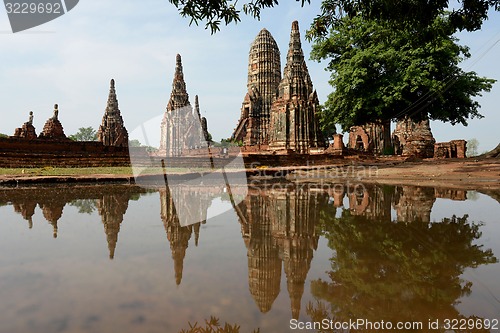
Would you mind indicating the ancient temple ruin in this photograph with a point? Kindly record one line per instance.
(294, 125)
(412, 138)
(53, 129)
(371, 138)
(264, 76)
(112, 132)
(27, 130)
(181, 128)
(278, 114)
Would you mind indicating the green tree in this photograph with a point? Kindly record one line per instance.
(382, 270)
(3, 135)
(472, 147)
(228, 11)
(382, 72)
(84, 134)
(134, 143)
(85, 206)
(469, 15)
(326, 123)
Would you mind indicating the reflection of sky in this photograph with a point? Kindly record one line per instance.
(486, 287)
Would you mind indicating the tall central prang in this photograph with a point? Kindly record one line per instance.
(264, 76)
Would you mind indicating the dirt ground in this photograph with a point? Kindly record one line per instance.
(463, 173)
(452, 173)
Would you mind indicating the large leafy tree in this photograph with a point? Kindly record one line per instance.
(384, 72)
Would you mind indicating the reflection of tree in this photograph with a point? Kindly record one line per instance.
(397, 271)
(85, 206)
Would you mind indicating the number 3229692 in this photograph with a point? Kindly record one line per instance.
(33, 8)
(464, 324)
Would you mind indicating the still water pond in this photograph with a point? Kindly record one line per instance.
(117, 259)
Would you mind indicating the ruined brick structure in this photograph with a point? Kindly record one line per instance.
(294, 125)
(264, 76)
(112, 132)
(27, 131)
(452, 149)
(413, 139)
(337, 146)
(279, 114)
(371, 138)
(181, 128)
(53, 129)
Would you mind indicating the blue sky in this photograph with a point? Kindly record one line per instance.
(71, 60)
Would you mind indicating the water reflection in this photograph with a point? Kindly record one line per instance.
(111, 202)
(388, 260)
(404, 271)
(414, 263)
(279, 229)
(196, 204)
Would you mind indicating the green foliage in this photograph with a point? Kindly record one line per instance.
(396, 271)
(326, 122)
(84, 134)
(472, 147)
(227, 11)
(3, 135)
(402, 13)
(227, 143)
(134, 143)
(381, 72)
(213, 326)
(469, 16)
(85, 206)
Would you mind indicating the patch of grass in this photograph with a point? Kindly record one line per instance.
(50, 171)
(57, 171)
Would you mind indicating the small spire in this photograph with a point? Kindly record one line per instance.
(56, 112)
(112, 83)
(178, 64)
(197, 106)
(295, 25)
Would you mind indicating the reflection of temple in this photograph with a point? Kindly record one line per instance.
(369, 201)
(178, 235)
(112, 208)
(278, 228)
(413, 204)
(111, 202)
